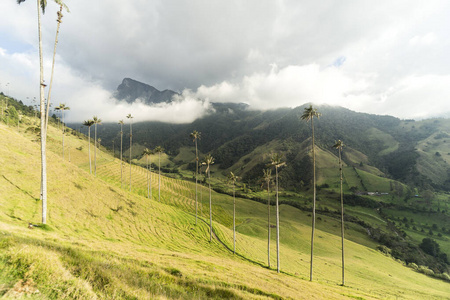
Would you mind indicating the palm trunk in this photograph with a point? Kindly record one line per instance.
(159, 178)
(268, 225)
(89, 141)
(234, 221)
(43, 135)
(196, 173)
(148, 185)
(210, 206)
(53, 69)
(62, 133)
(95, 149)
(131, 143)
(314, 203)
(278, 224)
(121, 160)
(150, 163)
(342, 218)
(201, 196)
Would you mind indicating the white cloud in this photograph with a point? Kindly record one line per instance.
(425, 40)
(356, 54)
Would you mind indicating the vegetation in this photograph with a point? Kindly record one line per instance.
(195, 135)
(339, 145)
(308, 115)
(149, 249)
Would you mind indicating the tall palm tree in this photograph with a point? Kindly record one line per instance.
(121, 159)
(308, 115)
(159, 150)
(267, 177)
(277, 163)
(147, 153)
(131, 141)
(41, 5)
(209, 160)
(339, 145)
(97, 121)
(89, 123)
(62, 107)
(59, 21)
(233, 178)
(201, 190)
(195, 136)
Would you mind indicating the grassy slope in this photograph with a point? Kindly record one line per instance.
(105, 242)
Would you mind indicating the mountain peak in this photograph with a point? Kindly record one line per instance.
(131, 90)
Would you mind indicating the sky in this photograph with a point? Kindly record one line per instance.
(380, 57)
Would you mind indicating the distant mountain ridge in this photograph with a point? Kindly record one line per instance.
(131, 90)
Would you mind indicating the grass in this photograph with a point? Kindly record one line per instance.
(105, 242)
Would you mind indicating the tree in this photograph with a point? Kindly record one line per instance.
(430, 247)
(209, 160)
(121, 159)
(62, 107)
(339, 145)
(147, 153)
(233, 178)
(201, 190)
(59, 21)
(308, 115)
(89, 123)
(41, 4)
(195, 135)
(159, 150)
(131, 141)
(267, 177)
(96, 122)
(277, 163)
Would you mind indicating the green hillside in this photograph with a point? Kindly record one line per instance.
(103, 241)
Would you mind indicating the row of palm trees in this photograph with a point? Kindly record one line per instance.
(276, 162)
(308, 115)
(44, 109)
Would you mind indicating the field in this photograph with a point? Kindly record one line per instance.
(103, 241)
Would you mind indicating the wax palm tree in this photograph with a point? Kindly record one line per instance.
(195, 136)
(41, 4)
(89, 123)
(339, 145)
(121, 159)
(267, 177)
(201, 190)
(209, 160)
(97, 121)
(131, 141)
(159, 150)
(308, 115)
(59, 21)
(62, 107)
(277, 163)
(147, 153)
(233, 178)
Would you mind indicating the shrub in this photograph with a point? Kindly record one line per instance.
(413, 266)
(425, 270)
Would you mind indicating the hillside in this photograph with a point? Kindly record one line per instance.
(413, 152)
(103, 241)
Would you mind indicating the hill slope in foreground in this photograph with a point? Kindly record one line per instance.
(103, 241)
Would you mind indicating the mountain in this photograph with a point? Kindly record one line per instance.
(413, 152)
(131, 90)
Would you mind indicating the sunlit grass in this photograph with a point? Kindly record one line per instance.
(103, 241)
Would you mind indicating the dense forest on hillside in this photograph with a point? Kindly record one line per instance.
(233, 131)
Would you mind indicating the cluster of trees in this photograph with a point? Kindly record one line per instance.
(45, 106)
(276, 163)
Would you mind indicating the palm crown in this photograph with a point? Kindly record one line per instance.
(310, 113)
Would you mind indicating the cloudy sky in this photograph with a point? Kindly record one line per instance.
(382, 57)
